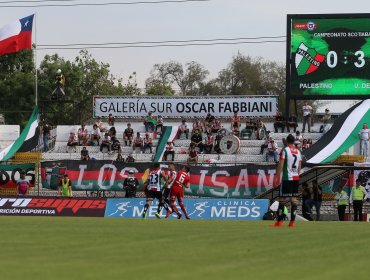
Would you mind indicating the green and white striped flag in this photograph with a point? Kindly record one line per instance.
(28, 139)
(169, 135)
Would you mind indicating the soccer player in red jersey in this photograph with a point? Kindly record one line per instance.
(177, 191)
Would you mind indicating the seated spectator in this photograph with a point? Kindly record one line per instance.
(217, 144)
(292, 122)
(112, 133)
(95, 135)
(298, 140)
(83, 135)
(184, 129)
(138, 142)
(148, 143)
(120, 157)
(304, 145)
(261, 130)
(193, 155)
(99, 124)
(150, 122)
(250, 128)
(130, 158)
(84, 154)
(116, 145)
(110, 120)
(325, 121)
(267, 141)
(208, 143)
(196, 141)
(216, 125)
(169, 151)
(208, 122)
(72, 140)
(106, 142)
(309, 143)
(128, 134)
(272, 151)
(159, 125)
(279, 122)
(197, 125)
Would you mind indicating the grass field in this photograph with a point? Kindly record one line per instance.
(88, 248)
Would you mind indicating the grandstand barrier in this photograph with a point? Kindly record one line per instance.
(219, 209)
(235, 181)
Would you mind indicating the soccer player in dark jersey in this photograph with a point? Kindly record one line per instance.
(153, 187)
(170, 178)
(177, 191)
(288, 170)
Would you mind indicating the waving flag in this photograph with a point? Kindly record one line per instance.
(16, 36)
(28, 139)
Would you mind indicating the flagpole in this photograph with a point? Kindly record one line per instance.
(35, 58)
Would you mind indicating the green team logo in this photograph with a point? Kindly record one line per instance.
(307, 60)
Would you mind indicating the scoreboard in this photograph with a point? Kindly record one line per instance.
(328, 56)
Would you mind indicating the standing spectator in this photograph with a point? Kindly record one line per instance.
(128, 134)
(342, 199)
(84, 154)
(196, 141)
(130, 184)
(96, 134)
(357, 197)
(208, 121)
(120, 157)
(159, 125)
(99, 124)
(83, 135)
(317, 198)
(65, 187)
(292, 122)
(193, 155)
(138, 142)
(130, 158)
(306, 196)
(364, 136)
(197, 125)
(148, 143)
(46, 136)
(72, 140)
(184, 129)
(169, 151)
(110, 120)
(260, 130)
(272, 151)
(267, 141)
(307, 110)
(218, 138)
(23, 185)
(106, 142)
(235, 122)
(279, 122)
(298, 140)
(325, 121)
(150, 122)
(208, 143)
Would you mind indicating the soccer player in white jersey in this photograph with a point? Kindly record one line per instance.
(153, 187)
(288, 170)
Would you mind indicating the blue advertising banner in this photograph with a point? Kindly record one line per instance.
(221, 209)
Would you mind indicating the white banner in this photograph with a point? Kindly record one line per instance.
(176, 107)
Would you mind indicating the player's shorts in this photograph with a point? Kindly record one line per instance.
(289, 188)
(177, 192)
(150, 195)
(166, 192)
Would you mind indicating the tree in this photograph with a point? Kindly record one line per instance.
(157, 88)
(189, 80)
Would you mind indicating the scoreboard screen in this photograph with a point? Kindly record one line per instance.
(328, 56)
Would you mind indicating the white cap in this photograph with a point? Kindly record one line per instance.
(59, 71)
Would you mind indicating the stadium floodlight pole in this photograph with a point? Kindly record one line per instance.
(35, 58)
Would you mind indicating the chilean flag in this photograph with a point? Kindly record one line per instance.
(16, 36)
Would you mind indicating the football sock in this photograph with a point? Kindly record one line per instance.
(280, 212)
(184, 210)
(293, 212)
(146, 206)
(160, 206)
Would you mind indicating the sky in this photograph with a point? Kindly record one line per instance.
(168, 21)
